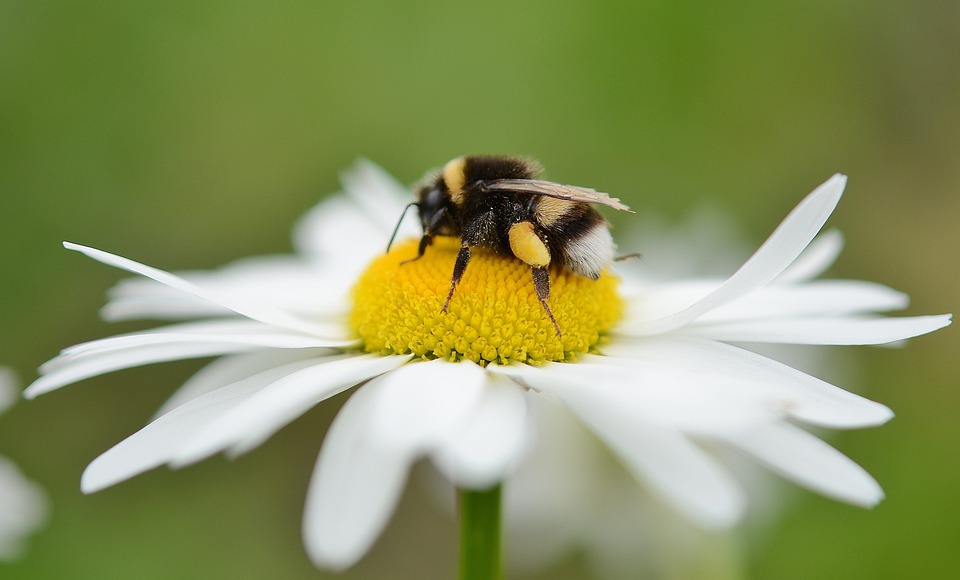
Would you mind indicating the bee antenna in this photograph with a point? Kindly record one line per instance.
(400, 221)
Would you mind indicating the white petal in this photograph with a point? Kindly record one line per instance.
(686, 398)
(835, 331)
(422, 403)
(252, 422)
(772, 258)
(380, 196)
(223, 331)
(174, 306)
(256, 312)
(808, 461)
(676, 469)
(73, 371)
(156, 443)
(539, 494)
(655, 452)
(382, 429)
(822, 252)
(819, 298)
(491, 442)
(284, 282)
(652, 301)
(778, 387)
(365, 216)
(337, 231)
(230, 369)
(355, 485)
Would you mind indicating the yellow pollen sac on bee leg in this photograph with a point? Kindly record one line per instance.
(494, 317)
(527, 245)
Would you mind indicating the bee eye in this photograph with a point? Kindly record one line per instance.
(434, 199)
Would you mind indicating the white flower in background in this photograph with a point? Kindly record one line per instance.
(661, 390)
(23, 506)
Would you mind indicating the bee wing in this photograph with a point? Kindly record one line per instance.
(550, 189)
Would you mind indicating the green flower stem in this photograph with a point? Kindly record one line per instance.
(480, 534)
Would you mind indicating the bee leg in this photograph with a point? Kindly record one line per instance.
(459, 267)
(541, 283)
(427, 238)
(425, 241)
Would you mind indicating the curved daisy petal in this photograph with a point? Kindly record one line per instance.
(189, 340)
(320, 233)
(157, 443)
(491, 443)
(253, 421)
(822, 252)
(256, 312)
(354, 489)
(658, 300)
(834, 331)
(684, 398)
(136, 303)
(772, 258)
(366, 214)
(85, 368)
(663, 457)
(808, 461)
(375, 438)
(232, 368)
(655, 452)
(223, 331)
(293, 285)
(417, 407)
(379, 195)
(783, 388)
(820, 298)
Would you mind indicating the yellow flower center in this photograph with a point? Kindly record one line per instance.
(494, 315)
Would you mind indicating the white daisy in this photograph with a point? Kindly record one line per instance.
(662, 384)
(23, 506)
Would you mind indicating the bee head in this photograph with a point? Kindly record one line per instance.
(436, 209)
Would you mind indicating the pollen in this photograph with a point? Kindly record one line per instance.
(494, 316)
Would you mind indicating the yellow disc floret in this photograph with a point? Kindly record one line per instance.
(494, 315)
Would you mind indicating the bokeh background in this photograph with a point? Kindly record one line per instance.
(188, 134)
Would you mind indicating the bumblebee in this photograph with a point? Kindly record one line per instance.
(497, 203)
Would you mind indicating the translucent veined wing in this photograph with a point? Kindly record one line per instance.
(550, 189)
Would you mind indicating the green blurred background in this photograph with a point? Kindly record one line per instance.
(187, 135)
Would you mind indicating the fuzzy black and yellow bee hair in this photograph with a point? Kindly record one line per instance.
(497, 203)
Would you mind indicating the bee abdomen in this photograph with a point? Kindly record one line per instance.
(581, 239)
(590, 253)
(551, 212)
